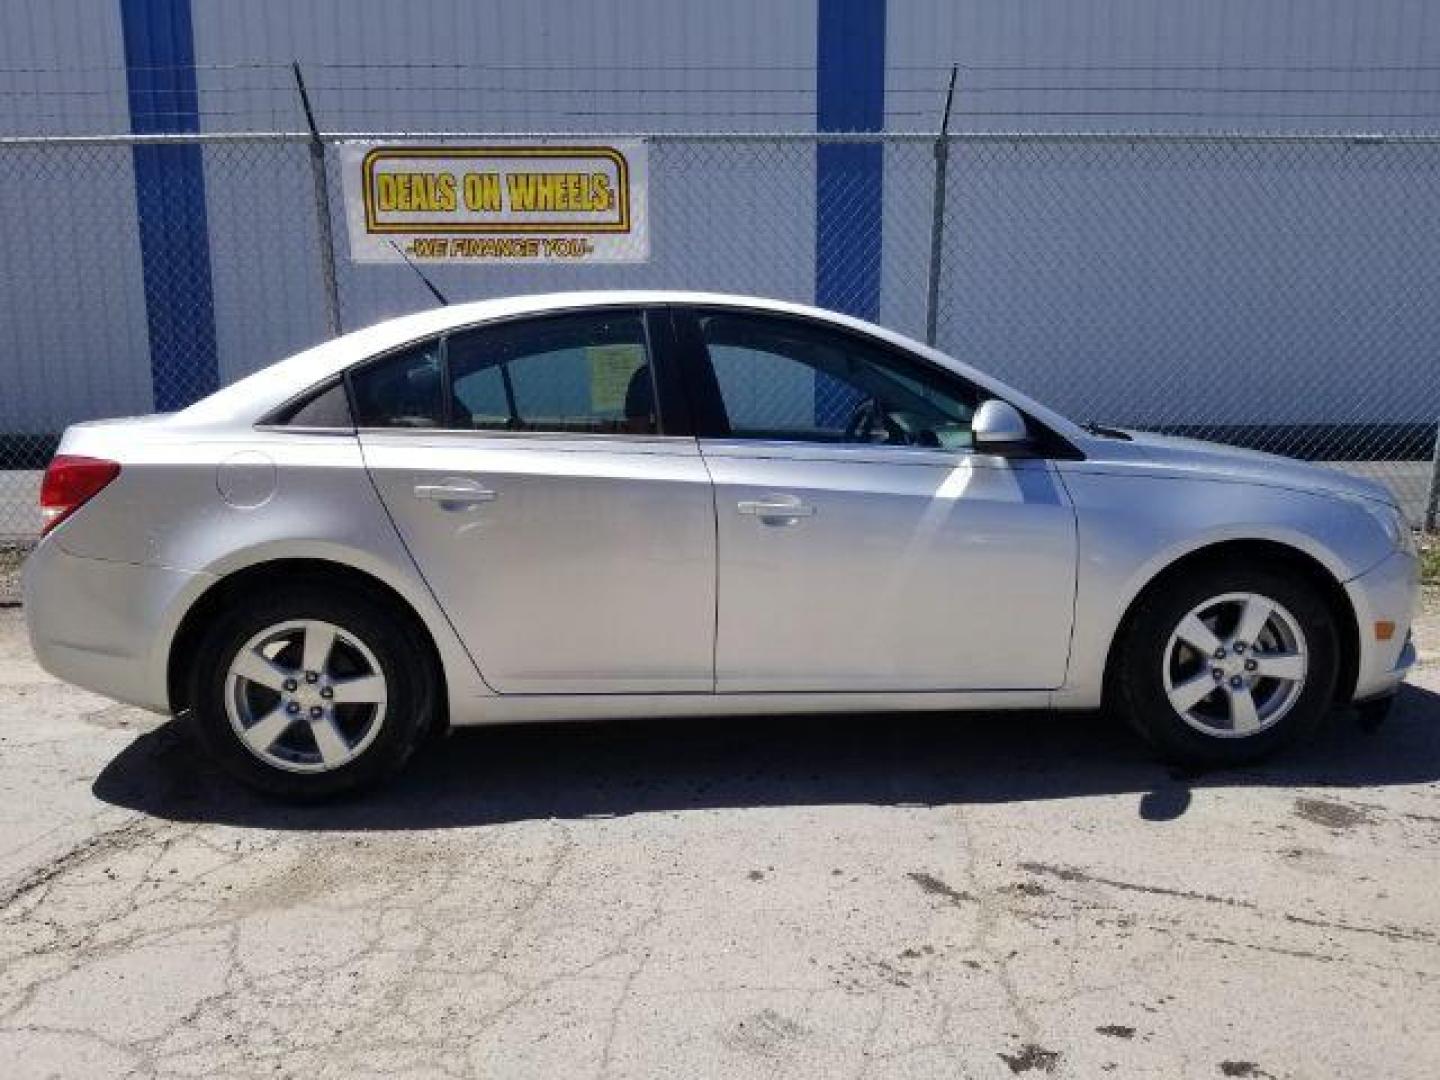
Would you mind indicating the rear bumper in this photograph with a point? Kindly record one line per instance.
(1387, 593)
(105, 626)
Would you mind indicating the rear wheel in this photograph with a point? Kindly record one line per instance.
(1225, 665)
(310, 691)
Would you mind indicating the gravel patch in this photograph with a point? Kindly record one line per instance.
(10, 562)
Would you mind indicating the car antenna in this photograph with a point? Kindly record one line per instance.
(420, 274)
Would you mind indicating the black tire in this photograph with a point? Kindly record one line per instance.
(1138, 691)
(410, 678)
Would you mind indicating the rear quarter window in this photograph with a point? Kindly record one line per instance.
(327, 407)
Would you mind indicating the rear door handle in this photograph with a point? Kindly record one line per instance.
(780, 510)
(459, 493)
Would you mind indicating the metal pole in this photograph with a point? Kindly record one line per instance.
(937, 218)
(322, 210)
(1432, 501)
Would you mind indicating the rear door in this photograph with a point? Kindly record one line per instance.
(541, 474)
(863, 546)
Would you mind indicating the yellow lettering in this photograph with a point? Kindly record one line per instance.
(385, 191)
(522, 191)
(601, 185)
(416, 192)
(487, 192)
(482, 191)
(549, 192)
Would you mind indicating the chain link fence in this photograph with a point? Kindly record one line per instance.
(1275, 292)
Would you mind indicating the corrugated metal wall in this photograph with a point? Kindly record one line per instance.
(1174, 65)
(655, 65)
(1259, 282)
(79, 309)
(605, 65)
(73, 314)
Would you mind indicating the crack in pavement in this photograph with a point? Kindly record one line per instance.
(93, 847)
(1074, 875)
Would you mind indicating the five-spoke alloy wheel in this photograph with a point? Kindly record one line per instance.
(306, 696)
(311, 690)
(1235, 665)
(1223, 665)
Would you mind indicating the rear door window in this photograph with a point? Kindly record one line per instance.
(586, 373)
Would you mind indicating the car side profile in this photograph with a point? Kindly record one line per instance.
(612, 504)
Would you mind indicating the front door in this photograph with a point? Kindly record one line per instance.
(862, 545)
(570, 541)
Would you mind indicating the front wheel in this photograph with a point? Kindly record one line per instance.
(311, 691)
(1222, 666)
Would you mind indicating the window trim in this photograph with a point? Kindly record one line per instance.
(693, 359)
(671, 410)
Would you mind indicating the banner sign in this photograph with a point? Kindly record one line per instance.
(498, 203)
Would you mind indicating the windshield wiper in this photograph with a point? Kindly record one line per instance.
(1105, 432)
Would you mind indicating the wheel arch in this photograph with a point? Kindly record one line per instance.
(276, 573)
(1271, 553)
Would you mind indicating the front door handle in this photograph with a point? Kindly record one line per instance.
(458, 493)
(776, 510)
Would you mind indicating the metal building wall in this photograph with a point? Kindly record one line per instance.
(80, 308)
(1190, 273)
(1172, 65)
(72, 309)
(451, 65)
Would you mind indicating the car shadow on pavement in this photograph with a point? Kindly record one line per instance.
(485, 776)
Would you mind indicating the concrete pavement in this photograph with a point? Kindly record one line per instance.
(879, 897)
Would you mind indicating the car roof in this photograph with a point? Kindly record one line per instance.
(252, 397)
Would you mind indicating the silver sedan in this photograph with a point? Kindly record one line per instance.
(645, 503)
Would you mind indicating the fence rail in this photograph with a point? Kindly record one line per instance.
(1277, 291)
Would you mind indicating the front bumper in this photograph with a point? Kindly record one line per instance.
(1388, 593)
(106, 626)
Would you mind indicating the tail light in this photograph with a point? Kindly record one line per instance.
(70, 482)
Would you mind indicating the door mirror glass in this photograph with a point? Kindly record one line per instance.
(998, 427)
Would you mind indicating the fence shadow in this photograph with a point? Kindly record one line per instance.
(495, 775)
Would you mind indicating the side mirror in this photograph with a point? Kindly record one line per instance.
(998, 428)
